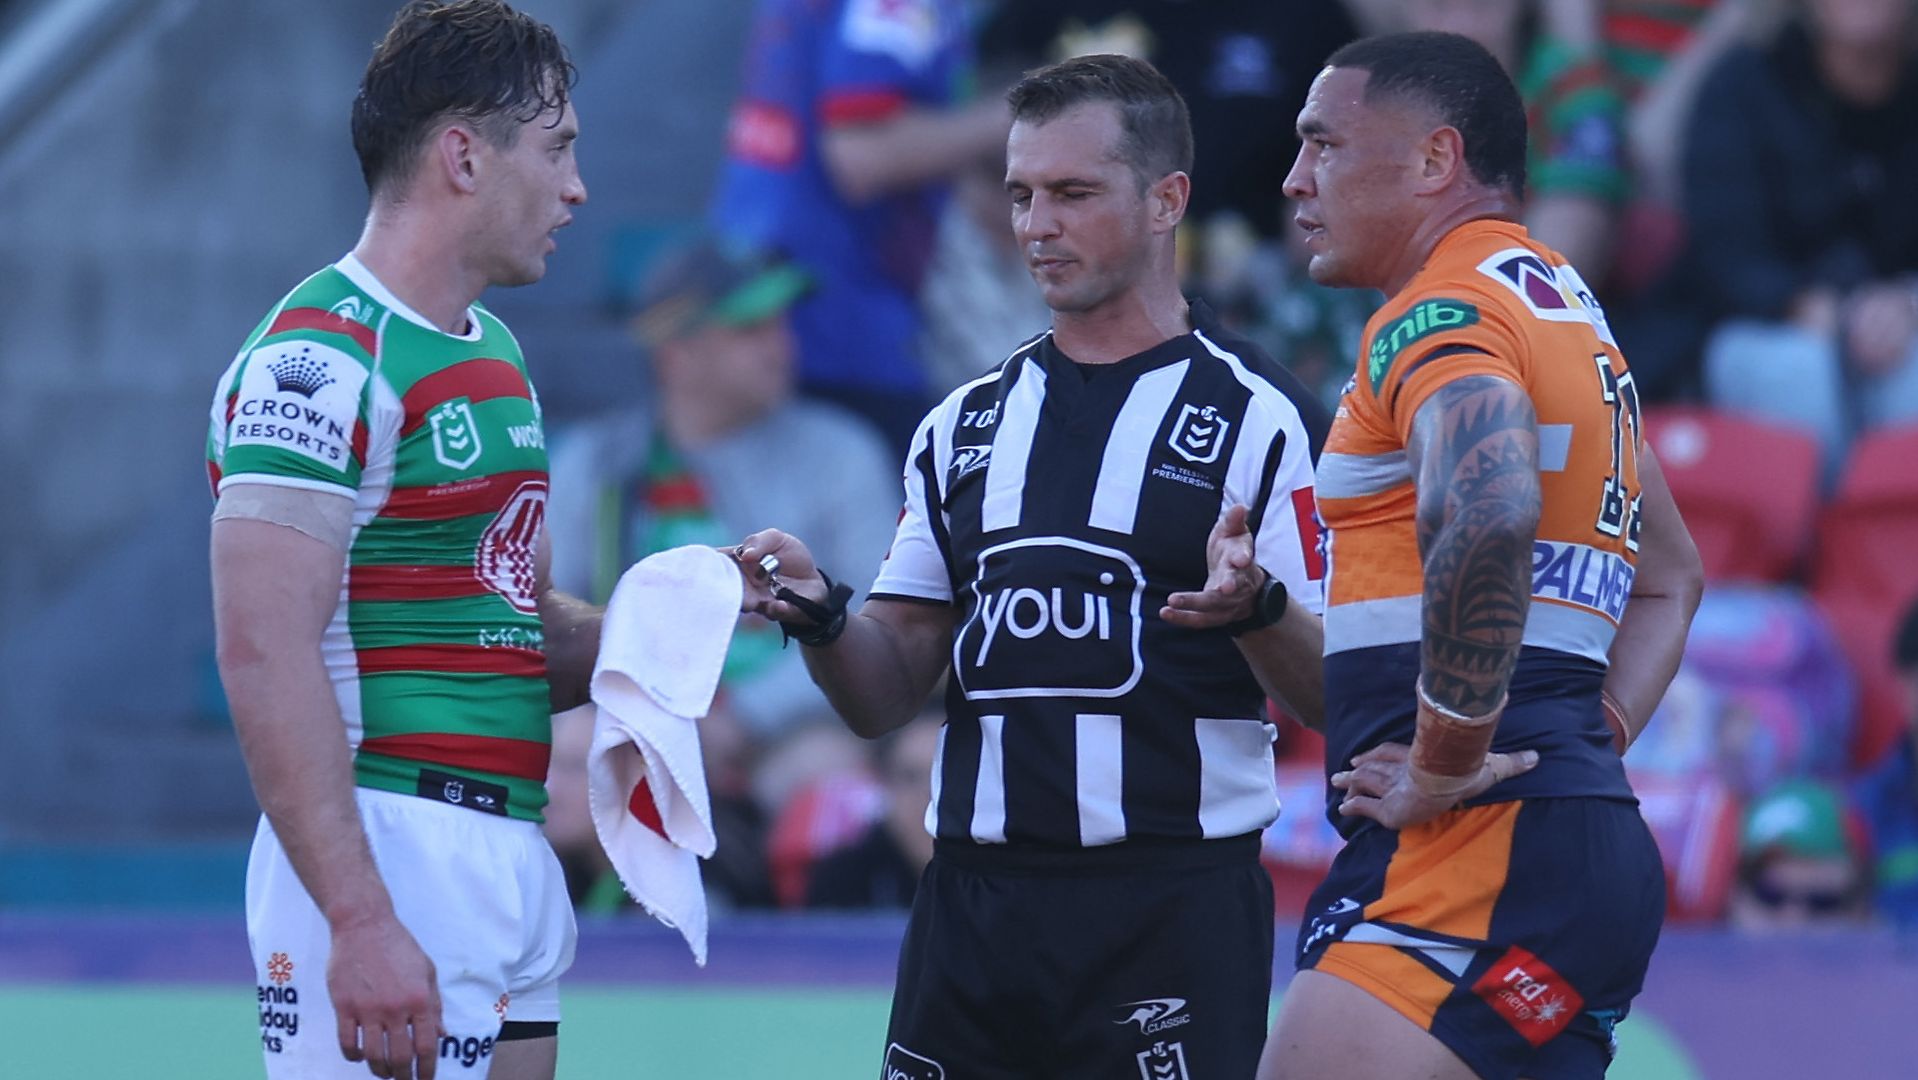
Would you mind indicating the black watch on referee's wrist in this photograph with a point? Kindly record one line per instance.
(1268, 607)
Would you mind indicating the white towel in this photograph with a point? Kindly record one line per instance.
(661, 648)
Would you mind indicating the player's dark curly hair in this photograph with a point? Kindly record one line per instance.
(1455, 77)
(1157, 129)
(474, 60)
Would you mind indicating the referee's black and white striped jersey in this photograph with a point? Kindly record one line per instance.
(1056, 506)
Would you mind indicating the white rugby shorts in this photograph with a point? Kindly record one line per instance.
(484, 896)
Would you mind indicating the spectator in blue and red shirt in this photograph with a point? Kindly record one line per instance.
(854, 115)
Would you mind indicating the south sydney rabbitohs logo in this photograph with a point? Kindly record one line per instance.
(504, 558)
(1199, 434)
(1154, 1015)
(456, 438)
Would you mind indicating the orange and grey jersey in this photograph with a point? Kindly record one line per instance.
(1489, 301)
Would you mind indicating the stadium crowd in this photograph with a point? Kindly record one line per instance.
(1733, 176)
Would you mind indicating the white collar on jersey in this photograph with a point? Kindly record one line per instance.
(359, 275)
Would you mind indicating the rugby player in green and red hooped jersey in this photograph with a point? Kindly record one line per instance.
(388, 639)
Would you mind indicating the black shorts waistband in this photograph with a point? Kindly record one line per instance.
(1128, 856)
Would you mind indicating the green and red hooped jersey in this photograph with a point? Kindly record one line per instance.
(435, 651)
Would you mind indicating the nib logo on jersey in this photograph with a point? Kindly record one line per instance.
(299, 396)
(1052, 617)
(279, 1004)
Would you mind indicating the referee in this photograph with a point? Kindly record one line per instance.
(1110, 543)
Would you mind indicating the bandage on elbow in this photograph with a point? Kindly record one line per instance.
(1449, 747)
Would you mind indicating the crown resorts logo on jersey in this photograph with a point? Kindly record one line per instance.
(1426, 318)
(301, 397)
(1052, 616)
(456, 439)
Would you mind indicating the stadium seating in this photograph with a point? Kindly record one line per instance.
(1748, 490)
(820, 818)
(1868, 535)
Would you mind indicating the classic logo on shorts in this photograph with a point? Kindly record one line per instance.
(1052, 617)
(903, 1064)
(456, 439)
(1199, 434)
(1154, 1015)
(504, 559)
(1533, 998)
(1165, 1061)
(279, 1004)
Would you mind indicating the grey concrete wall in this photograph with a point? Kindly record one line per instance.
(149, 216)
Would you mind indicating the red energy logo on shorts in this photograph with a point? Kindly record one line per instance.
(1533, 998)
(279, 969)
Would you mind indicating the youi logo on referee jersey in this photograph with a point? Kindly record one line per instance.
(1052, 616)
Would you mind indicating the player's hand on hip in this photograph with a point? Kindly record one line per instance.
(387, 999)
(791, 565)
(1379, 785)
(1232, 580)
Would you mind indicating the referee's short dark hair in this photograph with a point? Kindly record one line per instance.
(1156, 129)
(1461, 82)
(477, 60)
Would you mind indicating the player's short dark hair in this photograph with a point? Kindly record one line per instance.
(1460, 81)
(476, 60)
(1156, 129)
(1904, 649)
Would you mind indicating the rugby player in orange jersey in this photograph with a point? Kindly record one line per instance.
(1510, 589)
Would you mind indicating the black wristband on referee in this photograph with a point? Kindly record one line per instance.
(829, 618)
(1268, 607)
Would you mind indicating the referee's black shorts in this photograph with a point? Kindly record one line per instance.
(1142, 961)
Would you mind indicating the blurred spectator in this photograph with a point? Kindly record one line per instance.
(1799, 170)
(881, 868)
(838, 150)
(1801, 864)
(723, 447)
(1888, 795)
(978, 301)
(1243, 70)
(1576, 172)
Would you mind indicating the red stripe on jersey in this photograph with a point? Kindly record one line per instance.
(480, 495)
(523, 758)
(1305, 507)
(232, 403)
(455, 659)
(479, 379)
(359, 442)
(414, 583)
(680, 494)
(861, 106)
(312, 318)
(213, 477)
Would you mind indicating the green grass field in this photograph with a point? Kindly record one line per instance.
(201, 1033)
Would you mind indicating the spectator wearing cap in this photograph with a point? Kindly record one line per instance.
(1803, 862)
(1888, 795)
(721, 446)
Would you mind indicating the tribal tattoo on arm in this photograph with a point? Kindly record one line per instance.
(1474, 453)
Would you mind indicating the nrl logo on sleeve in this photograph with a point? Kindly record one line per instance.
(456, 441)
(1425, 319)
